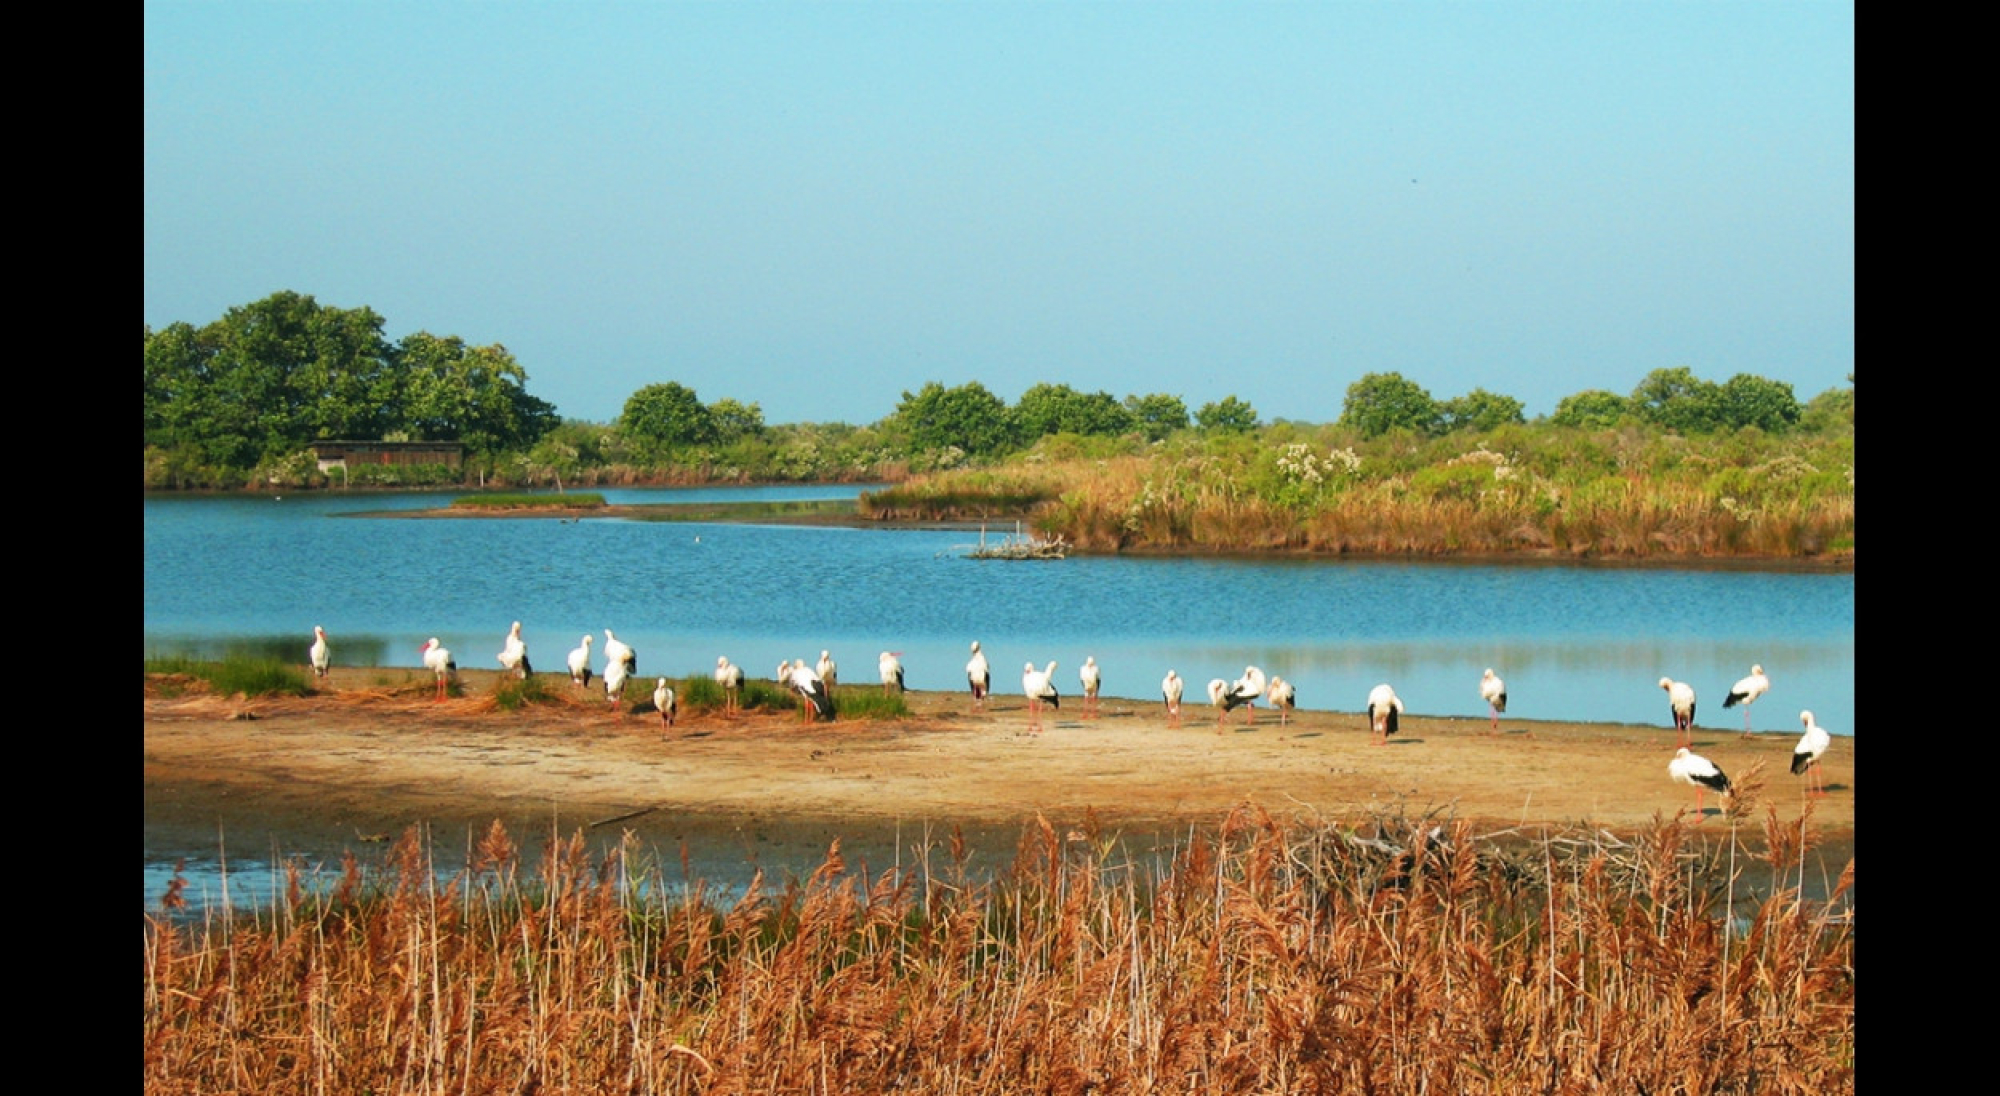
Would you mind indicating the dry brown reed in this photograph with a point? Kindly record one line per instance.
(1395, 955)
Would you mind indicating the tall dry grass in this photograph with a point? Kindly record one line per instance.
(1397, 956)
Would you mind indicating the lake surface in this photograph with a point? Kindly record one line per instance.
(1574, 642)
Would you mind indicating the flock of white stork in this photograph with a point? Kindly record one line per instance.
(814, 685)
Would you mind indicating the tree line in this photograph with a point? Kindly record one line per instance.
(240, 401)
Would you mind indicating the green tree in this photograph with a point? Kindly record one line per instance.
(1747, 400)
(1592, 407)
(968, 416)
(1381, 402)
(735, 420)
(1678, 400)
(1481, 410)
(1832, 409)
(1157, 415)
(1228, 415)
(472, 394)
(1060, 409)
(667, 416)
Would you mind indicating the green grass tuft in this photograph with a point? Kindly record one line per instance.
(247, 675)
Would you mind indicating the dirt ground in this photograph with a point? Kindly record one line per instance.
(371, 755)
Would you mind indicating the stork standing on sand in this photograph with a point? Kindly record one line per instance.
(438, 660)
(319, 654)
(1494, 692)
(979, 676)
(1039, 686)
(730, 677)
(616, 670)
(665, 702)
(1171, 687)
(1384, 709)
(514, 653)
(1092, 679)
(891, 667)
(1805, 756)
(1680, 699)
(579, 664)
(1746, 692)
(1247, 691)
(1282, 697)
(1225, 698)
(1689, 767)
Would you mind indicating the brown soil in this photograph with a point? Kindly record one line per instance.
(372, 754)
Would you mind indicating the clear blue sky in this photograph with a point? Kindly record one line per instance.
(815, 207)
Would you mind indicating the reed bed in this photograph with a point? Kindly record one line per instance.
(1620, 493)
(1392, 955)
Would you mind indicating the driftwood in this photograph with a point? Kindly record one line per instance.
(1018, 546)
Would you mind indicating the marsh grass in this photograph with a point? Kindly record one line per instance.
(173, 676)
(1382, 955)
(1623, 493)
(584, 500)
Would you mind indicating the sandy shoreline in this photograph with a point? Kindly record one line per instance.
(373, 755)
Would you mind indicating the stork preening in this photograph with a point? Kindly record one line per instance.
(814, 698)
(514, 653)
(1246, 692)
(439, 662)
(829, 672)
(616, 671)
(1384, 709)
(319, 654)
(665, 703)
(1805, 756)
(1039, 686)
(1680, 698)
(1171, 687)
(1689, 767)
(1494, 692)
(1225, 698)
(1746, 692)
(730, 677)
(579, 664)
(978, 675)
(615, 650)
(1092, 679)
(1282, 697)
(891, 667)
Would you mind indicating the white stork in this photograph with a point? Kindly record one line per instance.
(579, 664)
(319, 654)
(615, 650)
(439, 662)
(891, 668)
(1092, 679)
(730, 677)
(1805, 756)
(616, 670)
(1689, 767)
(814, 699)
(1171, 687)
(978, 675)
(829, 671)
(514, 653)
(1039, 686)
(1226, 698)
(1746, 692)
(664, 702)
(1248, 690)
(1494, 692)
(1680, 698)
(1282, 697)
(1384, 709)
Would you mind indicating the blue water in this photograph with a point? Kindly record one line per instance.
(1577, 642)
(1574, 642)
